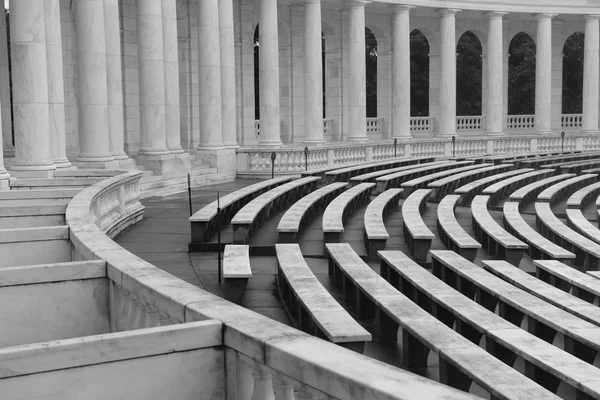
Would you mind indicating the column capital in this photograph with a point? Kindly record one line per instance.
(355, 3)
(543, 16)
(491, 14)
(447, 11)
(588, 17)
(401, 8)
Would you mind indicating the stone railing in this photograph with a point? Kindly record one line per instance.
(470, 123)
(374, 126)
(571, 121)
(470, 147)
(508, 144)
(421, 124)
(264, 359)
(429, 148)
(520, 122)
(328, 129)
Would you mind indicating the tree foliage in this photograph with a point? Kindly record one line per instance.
(521, 75)
(468, 75)
(419, 74)
(371, 72)
(572, 94)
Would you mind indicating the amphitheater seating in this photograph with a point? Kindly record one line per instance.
(528, 193)
(344, 174)
(37, 197)
(376, 234)
(557, 191)
(473, 188)
(296, 216)
(494, 238)
(587, 252)
(451, 233)
(204, 222)
(253, 213)
(569, 279)
(417, 235)
(583, 195)
(539, 246)
(579, 223)
(549, 366)
(421, 182)
(543, 290)
(543, 161)
(341, 207)
(447, 185)
(31, 216)
(39, 245)
(577, 167)
(500, 190)
(461, 362)
(396, 179)
(311, 305)
(236, 271)
(542, 319)
(371, 176)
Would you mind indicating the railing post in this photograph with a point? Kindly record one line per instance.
(395, 148)
(579, 143)
(562, 143)
(306, 158)
(330, 157)
(453, 146)
(369, 153)
(273, 157)
(533, 146)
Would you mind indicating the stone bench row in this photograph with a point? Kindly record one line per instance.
(311, 306)
(552, 368)
(473, 188)
(255, 212)
(570, 280)
(397, 178)
(559, 190)
(451, 233)
(502, 189)
(578, 167)
(417, 235)
(540, 162)
(460, 361)
(447, 185)
(423, 181)
(345, 174)
(584, 196)
(529, 192)
(371, 176)
(376, 234)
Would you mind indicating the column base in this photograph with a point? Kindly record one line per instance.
(5, 182)
(494, 133)
(167, 166)
(319, 142)
(231, 145)
(223, 159)
(121, 155)
(402, 138)
(540, 133)
(149, 152)
(176, 150)
(32, 170)
(9, 152)
(62, 163)
(357, 139)
(112, 164)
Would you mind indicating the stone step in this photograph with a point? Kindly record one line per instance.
(31, 216)
(16, 183)
(158, 186)
(49, 272)
(27, 246)
(37, 196)
(86, 173)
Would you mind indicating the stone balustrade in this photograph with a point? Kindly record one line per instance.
(374, 127)
(328, 129)
(471, 123)
(571, 121)
(421, 124)
(520, 122)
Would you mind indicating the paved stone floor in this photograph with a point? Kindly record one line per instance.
(163, 235)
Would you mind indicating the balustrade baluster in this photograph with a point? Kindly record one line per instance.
(283, 388)
(263, 384)
(244, 381)
(134, 313)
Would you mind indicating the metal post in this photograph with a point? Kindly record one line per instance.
(562, 135)
(306, 158)
(395, 149)
(273, 157)
(453, 146)
(190, 193)
(220, 267)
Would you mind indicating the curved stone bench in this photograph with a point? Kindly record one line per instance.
(461, 362)
(344, 174)
(513, 304)
(236, 271)
(543, 290)
(539, 246)
(451, 233)
(583, 195)
(528, 193)
(548, 366)
(577, 167)
(311, 306)
(570, 280)
(558, 160)
(396, 179)
(447, 185)
(376, 235)
(423, 181)
(296, 216)
(252, 214)
(493, 237)
(204, 222)
(579, 223)
(557, 191)
(499, 190)
(472, 189)
(417, 235)
(587, 252)
(342, 206)
(371, 176)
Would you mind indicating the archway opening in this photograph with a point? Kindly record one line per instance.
(256, 75)
(468, 74)
(419, 74)
(371, 73)
(572, 76)
(521, 75)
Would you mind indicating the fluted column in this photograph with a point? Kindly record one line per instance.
(152, 79)
(313, 73)
(9, 149)
(114, 80)
(92, 92)
(209, 70)
(401, 72)
(171, 60)
(56, 89)
(357, 80)
(543, 74)
(495, 85)
(30, 89)
(228, 93)
(591, 74)
(447, 114)
(269, 74)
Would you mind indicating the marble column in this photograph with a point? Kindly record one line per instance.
(228, 91)
(209, 70)
(171, 60)
(56, 88)
(152, 79)
(114, 80)
(494, 114)
(447, 115)
(401, 72)
(543, 74)
(30, 89)
(313, 73)
(269, 75)
(92, 92)
(591, 74)
(357, 80)
(9, 148)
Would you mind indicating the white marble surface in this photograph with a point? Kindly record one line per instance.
(313, 73)
(591, 74)
(357, 83)
(228, 88)
(494, 119)
(236, 261)
(401, 72)
(543, 74)
(171, 60)
(447, 116)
